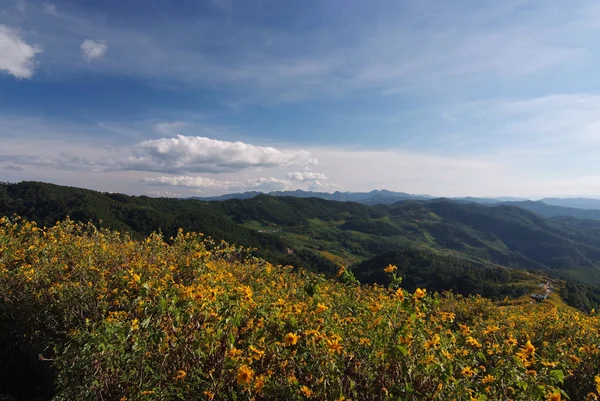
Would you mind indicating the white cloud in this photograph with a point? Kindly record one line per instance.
(204, 183)
(391, 47)
(195, 154)
(93, 49)
(16, 56)
(306, 176)
(169, 128)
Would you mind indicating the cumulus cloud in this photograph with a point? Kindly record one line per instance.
(204, 183)
(195, 154)
(93, 49)
(17, 57)
(306, 176)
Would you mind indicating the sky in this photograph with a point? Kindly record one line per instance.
(200, 98)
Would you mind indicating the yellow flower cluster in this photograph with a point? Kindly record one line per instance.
(195, 318)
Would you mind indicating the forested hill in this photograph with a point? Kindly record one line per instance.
(47, 203)
(321, 235)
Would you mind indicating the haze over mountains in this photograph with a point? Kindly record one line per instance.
(549, 207)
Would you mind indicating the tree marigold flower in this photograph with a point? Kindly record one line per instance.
(306, 391)
(554, 397)
(390, 268)
(259, 384)
(244, 375)
(291, 339)
(334, 346)
(180, 375)
(527, 350)
(420, 293)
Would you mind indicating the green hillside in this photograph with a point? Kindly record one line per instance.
(321, 235)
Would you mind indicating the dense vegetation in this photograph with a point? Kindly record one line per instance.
(192, 319)
(458, 239)
(46, 204)
(436, 272)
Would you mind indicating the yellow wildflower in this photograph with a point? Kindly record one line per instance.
(244, 375)
(390, 268)
(420, 293)
(306, 391)
(334, 345)
(291, 339)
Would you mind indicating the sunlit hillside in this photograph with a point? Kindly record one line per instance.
(105, 317)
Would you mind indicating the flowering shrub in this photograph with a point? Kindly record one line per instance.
(196, 319)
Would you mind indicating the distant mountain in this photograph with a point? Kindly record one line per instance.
(375, 197)
(238, 195)
(549, 207)
(579, 203)
(546, 210)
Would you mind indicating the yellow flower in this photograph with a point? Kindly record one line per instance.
(473, 342)
(420, 293)
(321, 307)
(488, 379)
(180, 375)
(468, 371)
(390, 268)
(597, 381)
(334, 346)
(511, 341)
(527, 350)
(291, 339)
(306, 391)
(400, 294)
(433, 342)
(244, 375)
(554, 397)
(259, 384)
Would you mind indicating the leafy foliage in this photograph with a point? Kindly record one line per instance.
(193, 319)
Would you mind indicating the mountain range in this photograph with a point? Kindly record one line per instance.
(386, 197)
(448, 244)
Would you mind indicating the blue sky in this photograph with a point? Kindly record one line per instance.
(181, 98)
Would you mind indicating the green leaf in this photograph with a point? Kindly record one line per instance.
(558, 375)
